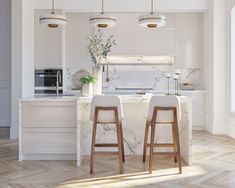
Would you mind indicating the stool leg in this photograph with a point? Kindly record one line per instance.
(93, 147)
(122, 142)
(174, 142)
(151, 147)
(177, 141)
(145, 140)
(119, 148)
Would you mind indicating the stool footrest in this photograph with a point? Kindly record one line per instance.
(162, 145)
(106, 145)
(106, 153)
(164, 153)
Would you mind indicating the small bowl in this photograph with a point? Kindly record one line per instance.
(187, 87)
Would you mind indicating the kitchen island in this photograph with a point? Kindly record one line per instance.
(72, 127)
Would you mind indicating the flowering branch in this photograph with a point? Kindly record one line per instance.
(98, 48)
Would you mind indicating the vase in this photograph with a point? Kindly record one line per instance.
(87, 90)
(97, 86)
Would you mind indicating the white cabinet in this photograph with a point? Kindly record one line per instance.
(189, 40)
(199, 108)
(47, 44)
(48, 130)
(49, 141)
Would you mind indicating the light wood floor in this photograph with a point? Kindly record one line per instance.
(213, 167)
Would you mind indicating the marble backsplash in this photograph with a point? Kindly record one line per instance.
(141, 78)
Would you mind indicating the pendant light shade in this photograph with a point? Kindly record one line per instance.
(53, 20)
(103, 20)
(152, 20)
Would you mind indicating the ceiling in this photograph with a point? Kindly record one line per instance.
(125, 5)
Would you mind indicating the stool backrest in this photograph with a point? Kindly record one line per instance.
(164, 101)
(106, 101)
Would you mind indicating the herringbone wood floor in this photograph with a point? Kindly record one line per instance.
(213, 167)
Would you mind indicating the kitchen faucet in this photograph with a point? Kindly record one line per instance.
(58, 81)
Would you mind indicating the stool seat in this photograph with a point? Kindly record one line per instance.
(107, 110)
(105, 104)
(163, 110)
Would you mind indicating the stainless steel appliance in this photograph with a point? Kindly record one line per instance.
(48, 81)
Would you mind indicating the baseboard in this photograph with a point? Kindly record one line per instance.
(47, 157)
(231, 131)
(217, 128)
(198, 128)
(5, 132)
(14, 132)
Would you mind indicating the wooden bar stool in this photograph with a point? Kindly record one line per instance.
(163, 110)
(107, 110)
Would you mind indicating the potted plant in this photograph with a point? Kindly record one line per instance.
(87, 87)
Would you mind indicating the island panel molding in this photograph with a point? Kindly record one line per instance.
(48, 129)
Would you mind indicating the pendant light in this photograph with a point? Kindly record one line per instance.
(53, 20)
(103, 20)
(152, 20)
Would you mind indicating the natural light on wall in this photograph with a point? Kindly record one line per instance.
(233, 60)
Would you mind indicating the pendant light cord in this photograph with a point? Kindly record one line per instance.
(53, 7)
(152, 7)
(102, 7)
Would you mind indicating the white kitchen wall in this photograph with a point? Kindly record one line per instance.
(230, 116)
(182, 36)
(5, 63)
(22, 57)
(215, 66)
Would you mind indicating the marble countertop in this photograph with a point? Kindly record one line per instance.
(134, 99)
(125, 98)
(49, 98)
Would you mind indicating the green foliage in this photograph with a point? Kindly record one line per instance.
(98, 47)
(87, 79)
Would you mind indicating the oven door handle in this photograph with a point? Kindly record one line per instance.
(48, 76)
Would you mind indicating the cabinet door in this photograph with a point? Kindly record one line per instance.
(49, 140)
(198, 111)
(189, 40)
(47, 44)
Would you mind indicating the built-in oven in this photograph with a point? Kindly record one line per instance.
(47, 81)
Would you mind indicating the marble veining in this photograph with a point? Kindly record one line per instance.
(147, 78)
(134, 126)
(151, 77)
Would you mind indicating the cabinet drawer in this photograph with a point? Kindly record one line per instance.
(49, 140)
(49, 114)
